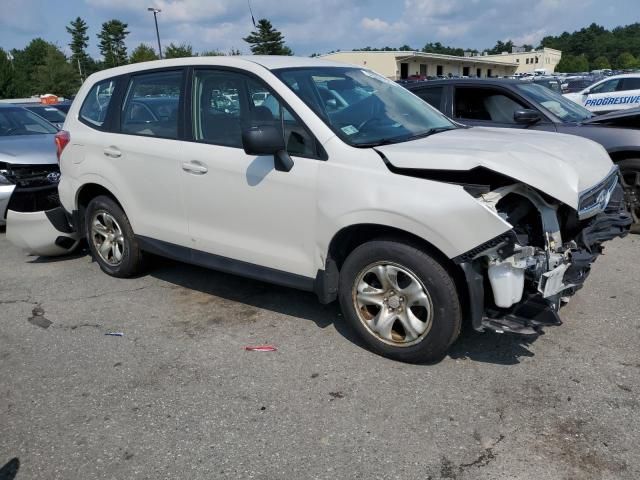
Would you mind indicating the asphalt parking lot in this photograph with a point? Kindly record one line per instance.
(178, 396)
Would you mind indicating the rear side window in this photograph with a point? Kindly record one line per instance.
(629, 84)
(151, 105)
(433, 96)
(94, 108)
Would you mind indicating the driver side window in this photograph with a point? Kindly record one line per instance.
(606, 87)
(226, 102)
(485, 104)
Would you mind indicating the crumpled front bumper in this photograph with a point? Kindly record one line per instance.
(539, 308)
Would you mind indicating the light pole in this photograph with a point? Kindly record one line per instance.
(156, 11)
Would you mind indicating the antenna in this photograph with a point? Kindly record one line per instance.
(251, 12)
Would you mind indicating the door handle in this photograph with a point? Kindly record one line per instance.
(112, 152)
(195, 167)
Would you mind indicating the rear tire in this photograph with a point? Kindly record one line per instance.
(111, 238)
(630, 170)
(400, 300)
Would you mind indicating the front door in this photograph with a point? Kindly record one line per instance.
(238, 205)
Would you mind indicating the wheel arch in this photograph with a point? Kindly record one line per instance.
(84, 195)
(349, 237)
(624, 153)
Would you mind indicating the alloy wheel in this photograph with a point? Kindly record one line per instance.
(393, 304)
(107, 237)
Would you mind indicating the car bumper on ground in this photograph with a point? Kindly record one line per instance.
(43, 233)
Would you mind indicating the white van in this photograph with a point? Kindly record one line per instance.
(342, 183)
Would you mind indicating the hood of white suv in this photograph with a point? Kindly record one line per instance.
(559, 165)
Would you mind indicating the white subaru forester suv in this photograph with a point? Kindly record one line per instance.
(330, 178)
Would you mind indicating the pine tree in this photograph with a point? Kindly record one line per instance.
(142, 53)
(79, 41)
(112, 46)
(6, 75)
(178, 51)
(267, 40)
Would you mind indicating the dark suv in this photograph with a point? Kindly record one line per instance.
(526, 105)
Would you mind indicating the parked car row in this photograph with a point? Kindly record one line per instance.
(528, 106)
(333, 179)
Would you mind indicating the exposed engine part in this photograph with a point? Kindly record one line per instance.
(531, 270)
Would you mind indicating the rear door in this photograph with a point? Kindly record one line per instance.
(140, 153)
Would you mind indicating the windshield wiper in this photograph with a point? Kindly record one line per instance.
(429, 132)
(379, 143)
(403, 138)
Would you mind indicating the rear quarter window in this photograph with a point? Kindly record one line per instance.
(432, 95)
(94, 108)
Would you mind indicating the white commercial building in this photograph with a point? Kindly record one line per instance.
(529, 62)
(399, 65)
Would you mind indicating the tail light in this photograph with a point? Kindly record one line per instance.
(62, 139)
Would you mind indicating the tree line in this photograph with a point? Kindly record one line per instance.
(437, 47)
(591, 48)
(42, 67)
(594, 47)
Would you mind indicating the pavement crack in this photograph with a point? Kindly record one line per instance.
(485, 457)
(18, 300)
(103, 294)
(451, 471)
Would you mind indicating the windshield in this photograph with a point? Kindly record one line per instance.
(564, 109)
(50, 114)
(363, 108)
(20, 121)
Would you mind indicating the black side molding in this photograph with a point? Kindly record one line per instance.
(225, 264)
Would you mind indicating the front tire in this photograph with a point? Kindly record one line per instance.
(111, 239)
(400, 300)
(630, 171)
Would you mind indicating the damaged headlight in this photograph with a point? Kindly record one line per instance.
(596, 199)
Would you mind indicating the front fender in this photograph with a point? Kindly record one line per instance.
(444, 215)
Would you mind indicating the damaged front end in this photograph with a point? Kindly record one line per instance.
(518, 280)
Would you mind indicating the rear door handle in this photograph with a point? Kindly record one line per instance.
(112, 152)
(195, 167)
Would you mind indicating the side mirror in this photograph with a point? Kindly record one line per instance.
(526, 116)
(267, 140)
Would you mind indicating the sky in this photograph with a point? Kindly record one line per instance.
(314, 26)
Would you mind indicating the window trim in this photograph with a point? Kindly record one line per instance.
(321, 153)
(116, 126)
